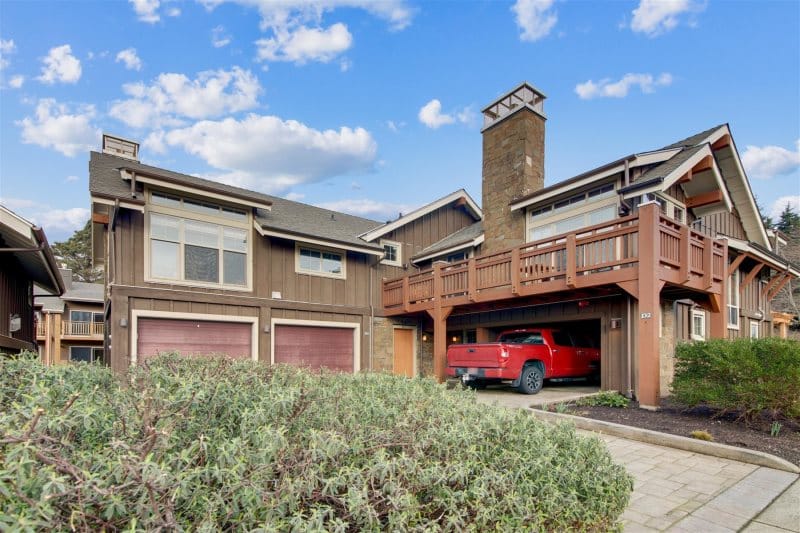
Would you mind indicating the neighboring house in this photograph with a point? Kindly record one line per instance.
(26, 260)
(201, 267)
(653, 248)
(656, 247)
(71, 327)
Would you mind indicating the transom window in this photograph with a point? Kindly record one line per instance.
(567, 225)
(197, 249)
(320, 262)
(391, 253)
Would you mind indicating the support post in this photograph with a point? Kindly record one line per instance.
(718, 327)
(571, 260)
(647, 345)
(515, 265)
(439, 316)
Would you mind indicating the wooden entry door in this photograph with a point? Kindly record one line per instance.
(404, 352)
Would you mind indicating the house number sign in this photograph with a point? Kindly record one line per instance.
(646, 315)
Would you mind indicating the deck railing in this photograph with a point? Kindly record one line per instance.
(40, 329)
(598, 255)
(82, 329)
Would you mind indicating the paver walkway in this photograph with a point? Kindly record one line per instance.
(680, 491)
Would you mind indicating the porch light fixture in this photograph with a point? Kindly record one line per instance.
(424, 337)
(583, 303)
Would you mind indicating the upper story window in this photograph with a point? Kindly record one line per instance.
(588, 208)
(544, 229)
(197, 243)
(392, 253)
(320, 262)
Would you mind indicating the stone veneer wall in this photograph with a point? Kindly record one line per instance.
(513, 166)
(383, 347)
(666, 345)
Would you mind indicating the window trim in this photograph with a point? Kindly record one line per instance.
(757, 325)
(399, 254)
(596, 204)
(321, 249)
(91, 349)
(187, 214)
(699, 313)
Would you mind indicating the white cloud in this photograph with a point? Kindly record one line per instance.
(173, 96)
(305, 44)
(60, 65)
(764, 162)
(129, 57)
(57, 223)
(535, 18)
(16, 81)
(219, 37)
(69, 179)
(295, 196)
(56, 127)
(431, 115)
(656, 17)
(270, 154)
(6, 48)
(173, 12)
(606, 88)
(154, 142)
(147, 10)
(780, 204)
(345, 65)
(288, 13)
(366, 208)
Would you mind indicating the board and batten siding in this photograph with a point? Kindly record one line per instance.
(725, 224)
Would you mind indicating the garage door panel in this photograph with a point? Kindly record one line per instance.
(193, 337)
(314, 347)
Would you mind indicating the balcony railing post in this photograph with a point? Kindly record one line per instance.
(685, 253)
(708, 256)
(472, 279)
(406, 295)
(571, 251)
(515, 267)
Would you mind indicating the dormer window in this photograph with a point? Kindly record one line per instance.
(391, 253)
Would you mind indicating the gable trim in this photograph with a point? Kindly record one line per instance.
(424, 210)
(455, 248)
(319, 242)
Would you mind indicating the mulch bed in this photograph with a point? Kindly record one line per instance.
(725, 428)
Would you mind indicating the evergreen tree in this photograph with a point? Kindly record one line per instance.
(789, 220)
(76, 254)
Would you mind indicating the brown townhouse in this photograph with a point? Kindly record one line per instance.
(70, 327)
(26, 262)
(653, 248)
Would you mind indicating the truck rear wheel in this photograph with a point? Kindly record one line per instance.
(531, 380)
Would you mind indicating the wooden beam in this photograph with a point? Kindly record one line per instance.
(705, 164)
(752, 275)
(722, 142)
(774, 280)
(735, 264)
(704, 199)
(774, 292)
(631, 287)
(99, 218)
(686, 177)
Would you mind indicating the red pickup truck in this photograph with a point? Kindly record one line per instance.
(525, 357)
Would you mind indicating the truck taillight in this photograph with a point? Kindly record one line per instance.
(504, 353)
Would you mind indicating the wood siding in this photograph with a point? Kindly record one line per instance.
(16, 298)
(726, 224)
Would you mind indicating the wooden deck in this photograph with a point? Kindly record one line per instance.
(600, 255)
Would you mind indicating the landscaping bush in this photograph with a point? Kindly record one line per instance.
(213, 444)
(744, 375)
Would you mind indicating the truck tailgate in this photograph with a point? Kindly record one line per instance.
(474, 355)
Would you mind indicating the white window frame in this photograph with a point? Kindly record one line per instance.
(321, 249)
(398, 261)
(184, 214)
(91, 352)
(698, 335)
(734, 290)
(584, 209)
(755, 329)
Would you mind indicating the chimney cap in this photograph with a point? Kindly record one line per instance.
(120, 147)
(522, 96)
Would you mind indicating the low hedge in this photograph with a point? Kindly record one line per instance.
(748, 376)
(217, 444)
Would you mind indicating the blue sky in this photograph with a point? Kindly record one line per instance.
(373, 108)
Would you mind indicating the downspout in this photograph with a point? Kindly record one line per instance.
(629, 325)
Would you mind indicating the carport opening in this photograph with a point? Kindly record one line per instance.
(583, 333)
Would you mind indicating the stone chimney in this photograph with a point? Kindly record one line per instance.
(513, 163)
(66, 275)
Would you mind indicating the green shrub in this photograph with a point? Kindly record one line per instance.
(701, 434)
(604, 399)
(217, 444)
(743, 375)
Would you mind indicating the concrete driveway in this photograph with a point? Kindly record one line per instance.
(505, 396)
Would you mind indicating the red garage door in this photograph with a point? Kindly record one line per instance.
(314, 347)
(193, 337)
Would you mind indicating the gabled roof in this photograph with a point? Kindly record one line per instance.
(467, 237)
(459, 195)
(276, 217)
(33, 251)
(697, 138)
